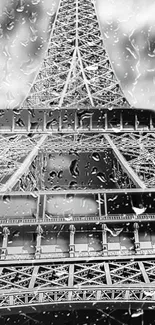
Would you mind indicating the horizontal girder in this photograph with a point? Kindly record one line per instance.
(83, 283)
(102, 204)
(76, 120)
(96, 239)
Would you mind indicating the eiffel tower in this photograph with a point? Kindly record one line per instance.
(77, 199)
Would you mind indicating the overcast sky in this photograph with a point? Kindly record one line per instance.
(128, 27)
(24, 32)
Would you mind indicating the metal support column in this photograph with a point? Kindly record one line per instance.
(6, 233)
(104, 240)
(71, 280)
(136, 236)
(71, 244)
(38, 243)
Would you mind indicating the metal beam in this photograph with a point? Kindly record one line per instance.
(107, 273)
(72, 241)
(143, 271)
(24, 166)
(70, 280)
(6, 233)
(105, 127)
(123, 162)
(83, 192)
(117, 218)
(33, 277)
(79, 259)
(136, 237)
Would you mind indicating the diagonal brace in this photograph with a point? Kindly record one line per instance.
(24, 166)
(123, 162)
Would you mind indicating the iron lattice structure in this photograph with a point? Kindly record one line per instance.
(134, 152)
(94, 284)
(74, 103)
(76, 71)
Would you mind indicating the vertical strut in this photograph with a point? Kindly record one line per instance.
(136, 236)
(6, 233)
(104, 239)
(70, 280)
(72, 243)
(38, 243)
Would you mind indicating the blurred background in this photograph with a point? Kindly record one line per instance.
(128, 29)
(25, 27)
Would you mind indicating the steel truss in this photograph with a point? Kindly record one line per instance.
(76, 121)
(75, 284)
(76, 70)
(134, 152)
(75, 78)
(139, 152)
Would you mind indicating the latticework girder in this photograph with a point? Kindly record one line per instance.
(24, 166)
(98, 233)
(134, 152)
(76, 70)
(11, 157)
(77, 285)
(138, 149)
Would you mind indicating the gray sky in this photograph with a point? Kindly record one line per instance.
(24, 32)
(128, 27)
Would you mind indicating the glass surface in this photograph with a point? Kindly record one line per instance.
(25, 27)
(128, 29)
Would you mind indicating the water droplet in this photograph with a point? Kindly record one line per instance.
(51, 123)
(2, 113)
(35, 2)
(101, 177)
(53, 174)
(60, 173)
(6, 198)
(33, 38)
(72, 184)
(20, 6)
(17, 111)
(10, 13)
(68, 218)
(137, 313)
(74, 168)
(87, 165)
(33, 17)
(94, 171)
(96, 156)
(34, 34)
(1, 32)
(11, 25)
(16, 233)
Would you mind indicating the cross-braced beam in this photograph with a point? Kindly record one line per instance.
(131, 173)
(119, 282)
(24, 166)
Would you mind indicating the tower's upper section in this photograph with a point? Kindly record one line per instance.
(76, 71)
